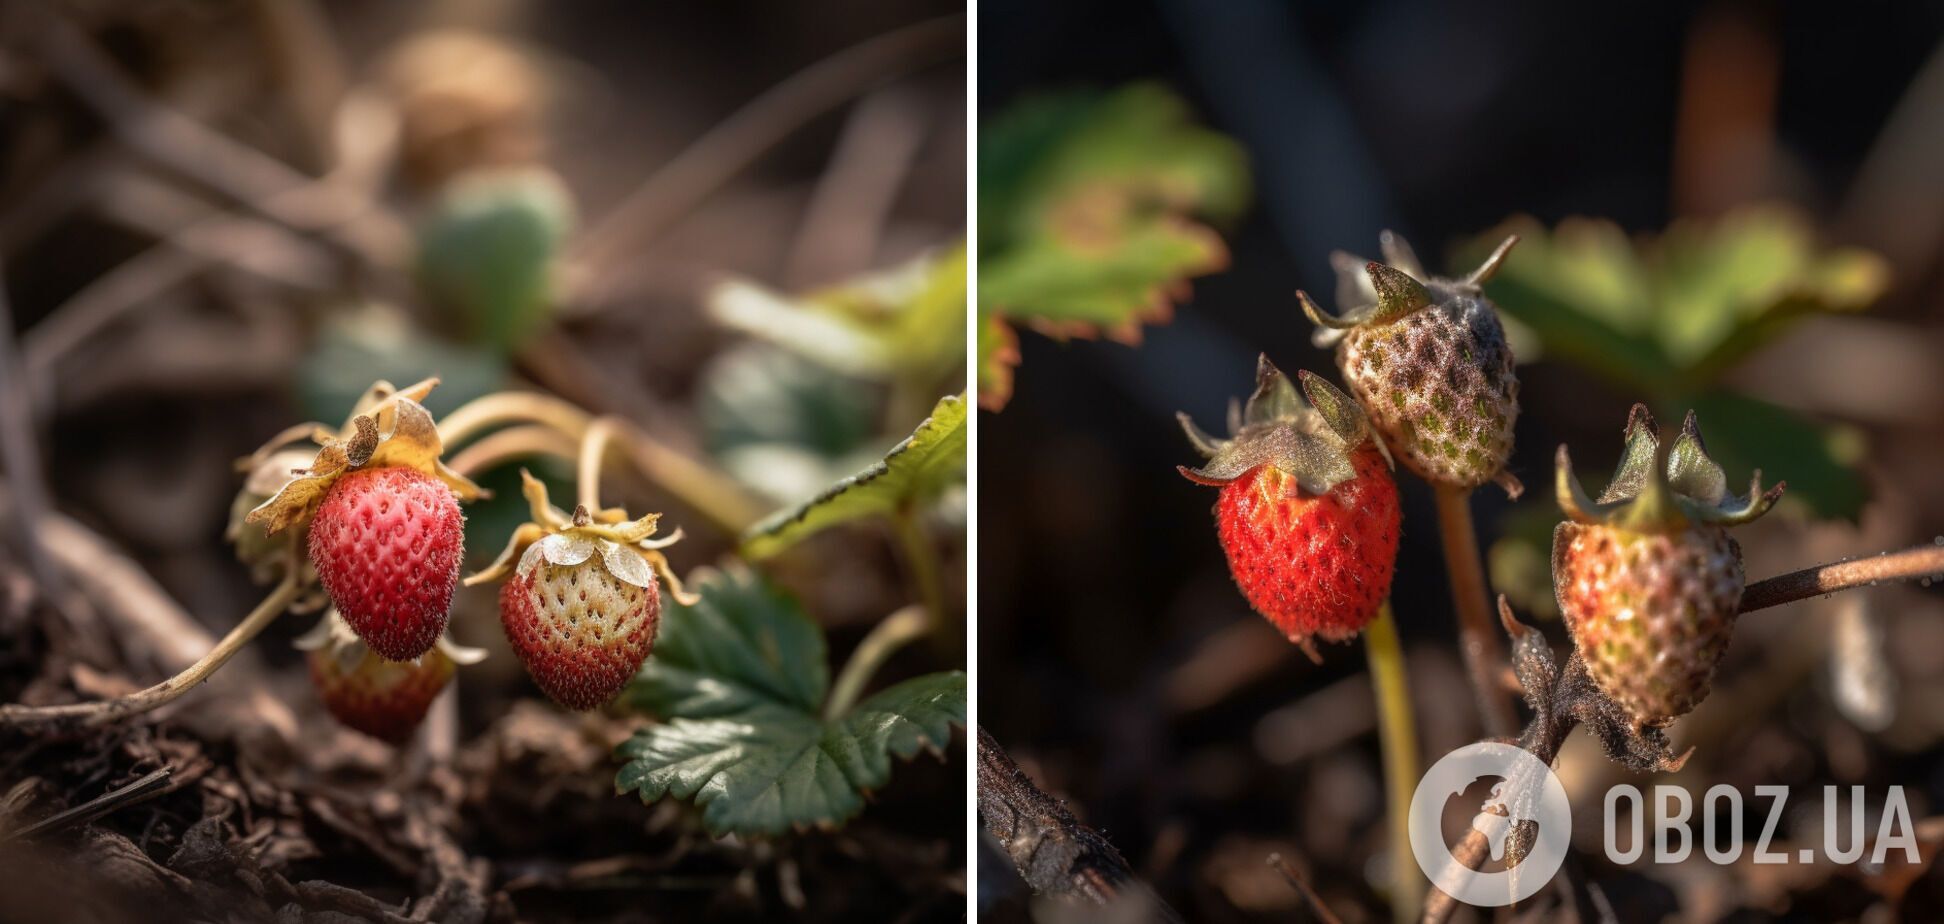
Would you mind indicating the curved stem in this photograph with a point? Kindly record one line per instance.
(1922, 561)
(896, 631)
(593, 446)
(91, 715)
(503, 446)
(922, 558)
(1397, 730)
(1477, 637)
(703, 489)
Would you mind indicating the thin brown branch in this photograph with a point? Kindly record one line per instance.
(1056, 854)
(96, 714)
(149, 786)
(1922, 561)
(1302, 887)
(1478, 639)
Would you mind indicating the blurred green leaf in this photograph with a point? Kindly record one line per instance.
(1818, 461)
(486, 252)
(738, 680)
(905, 325)
(1669, 314)
(356, 348)
(1087, 209)
(1665, 317)
(782, 424)
(913, 472)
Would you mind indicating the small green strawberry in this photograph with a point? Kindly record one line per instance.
(1428, 360)
(1308, 513)
(1648, 580)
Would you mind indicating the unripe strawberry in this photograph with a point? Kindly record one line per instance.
(1428, 360)
(1648, 580)
(384, 699)
(386, 543)
(1308, 513)
(582, 604)
(581, 629)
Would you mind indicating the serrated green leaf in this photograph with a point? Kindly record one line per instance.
(743, 645)
(1088, 208)
(486, 252)
(738, 680)
(914, 471)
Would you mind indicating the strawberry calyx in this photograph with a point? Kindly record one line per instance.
(1662, 486)
(388, 427)
(1370, 293)
(334, 638)
(1309, 442)
(625, 546)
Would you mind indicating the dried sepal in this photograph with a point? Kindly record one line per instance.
(389, 427)
(1398, 293)
(1663, 485)
(335, 639)
(1310, 441)
(626, 547)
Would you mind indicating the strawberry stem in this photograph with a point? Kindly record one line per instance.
(1477, 639)
(94, 715)
(896, 631)
(1397, 730)
(700, 487)
(593, 446)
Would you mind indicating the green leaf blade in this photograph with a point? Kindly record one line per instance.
(914, 471)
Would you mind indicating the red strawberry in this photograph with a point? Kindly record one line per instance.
(581, 622)
(1648, 580)
(386, 542)
(1308, 514)
(383, 699)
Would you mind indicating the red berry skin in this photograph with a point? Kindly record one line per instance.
(1314, 566)
(581, 632)
(1651, 614)
(387, 543)
(383, 699)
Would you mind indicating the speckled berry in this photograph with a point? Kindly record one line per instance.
(581, 631)
(384, 699)
(386, 543)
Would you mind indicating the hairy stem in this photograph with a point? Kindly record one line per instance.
(1397, 729)
(702, 488)
(896, 631)
(1477, 638)
(92, 715)
(922, 558)
(1921, 561)
(503, 446)
(594, 443)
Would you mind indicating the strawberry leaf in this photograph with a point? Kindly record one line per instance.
(738, 681)
(1090, 208)
(913, 472)
(902, 325)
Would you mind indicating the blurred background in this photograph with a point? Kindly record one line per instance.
(221, 218)
(1731, 206)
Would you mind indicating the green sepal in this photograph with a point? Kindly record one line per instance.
(1311, 442)
(1662, 486)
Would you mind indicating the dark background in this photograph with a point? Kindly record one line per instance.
(1117, 661)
